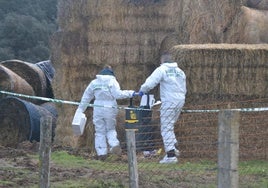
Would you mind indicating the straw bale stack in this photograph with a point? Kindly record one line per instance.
(20, 118)
(207, 21)
(10, 81)
(29, 72)
(251, 27)
(130, 35)
(224, 71)
(123, 34)
(221, 76)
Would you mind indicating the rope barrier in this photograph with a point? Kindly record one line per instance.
(121, 107)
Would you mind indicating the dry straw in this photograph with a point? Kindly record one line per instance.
(123, 34)
(10, 81)
(224, 71)
(130, 34)
(222, 76)
(29, 72)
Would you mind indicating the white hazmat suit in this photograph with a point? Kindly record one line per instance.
(105, 89)
(172, 82)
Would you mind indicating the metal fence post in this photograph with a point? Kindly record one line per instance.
(45, 150)
(228, 149)
(132, 158)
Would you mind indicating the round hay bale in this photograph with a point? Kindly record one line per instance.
(20, 121)
(29, 72)
(10, 81)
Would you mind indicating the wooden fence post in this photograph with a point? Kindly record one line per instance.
(228, 149)
(132, 158)
(45, 150)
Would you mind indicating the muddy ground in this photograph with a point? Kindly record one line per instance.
(19, 168)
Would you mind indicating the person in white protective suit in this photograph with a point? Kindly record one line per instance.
(172, 82)
(105, 89)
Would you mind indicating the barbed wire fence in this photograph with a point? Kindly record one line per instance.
(199, 139)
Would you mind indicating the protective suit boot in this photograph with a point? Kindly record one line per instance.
(170, 157)
(168, 160)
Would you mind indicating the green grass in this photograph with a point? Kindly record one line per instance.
(87, 183)
(64, 159)
(74, 171)
(251, 173)
(253, 168)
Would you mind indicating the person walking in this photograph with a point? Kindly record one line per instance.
(105, 90)
(173, 90)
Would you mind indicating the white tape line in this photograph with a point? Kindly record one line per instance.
(60, 101)
(237, 109)
(118, 107)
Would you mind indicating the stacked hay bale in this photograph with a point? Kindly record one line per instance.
(126, 35)
(20, 117)
(204, 21)
(130, 35)
(251, 27)
(222, 76)
(29, 72)
(224, 71)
